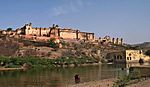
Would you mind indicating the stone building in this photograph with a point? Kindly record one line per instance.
(116, 57)
(128, 56)
(55, 31)
(68, 33)
(136, 55)
(34, 31)
(108, 39)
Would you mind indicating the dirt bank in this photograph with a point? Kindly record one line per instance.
(100, 83)
(142, 83)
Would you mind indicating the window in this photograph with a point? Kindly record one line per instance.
(114, 57)
(127, 58)
(44, 35)
(130, 58)
(120, 57)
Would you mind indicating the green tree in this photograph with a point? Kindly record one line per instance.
(9, 29)
(147, 52)
(52, 43)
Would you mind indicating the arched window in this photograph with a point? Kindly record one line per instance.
(127, 58)
(120, 57)
(130, 58)
(115, 57)
(44, 35)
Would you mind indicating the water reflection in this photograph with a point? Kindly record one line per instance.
(58, 77)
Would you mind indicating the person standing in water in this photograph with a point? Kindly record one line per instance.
(77, 79)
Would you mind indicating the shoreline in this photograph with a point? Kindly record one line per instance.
(78, 65)
(99, 83)
(110, 82)
(143, 82)
(8, 69)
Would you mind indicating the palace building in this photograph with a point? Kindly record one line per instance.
(55, 31)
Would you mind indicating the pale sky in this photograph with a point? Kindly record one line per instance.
(128, 19)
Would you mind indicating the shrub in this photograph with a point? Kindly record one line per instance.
(125, 79)
(122, 81)
(52, 43)
(147, 52)
(135, 74)
(9, 29)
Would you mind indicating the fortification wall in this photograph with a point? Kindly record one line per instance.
(66, 33)
(70, 35)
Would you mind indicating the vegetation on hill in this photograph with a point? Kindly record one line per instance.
(145, 45)
(147, 52)
(78, 52)
(9, 29)
(15, 62)
(52, 43)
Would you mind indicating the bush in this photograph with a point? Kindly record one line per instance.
(125, 79)
(147, 53)
(42, 62)
(52, 43)
(9, 29)
(18, 62)
(136, 74)
(122, 81)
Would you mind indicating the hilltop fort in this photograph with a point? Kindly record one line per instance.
(56, 42)
(44, 34)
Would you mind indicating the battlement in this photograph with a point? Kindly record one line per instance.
(108, 39)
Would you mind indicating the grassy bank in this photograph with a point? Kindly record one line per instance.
(133, 77)
(36, 62)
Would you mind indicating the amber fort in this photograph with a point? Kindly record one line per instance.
(43, 34)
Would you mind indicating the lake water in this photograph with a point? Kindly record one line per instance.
(59, 77)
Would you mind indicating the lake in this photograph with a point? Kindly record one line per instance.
(60, 77)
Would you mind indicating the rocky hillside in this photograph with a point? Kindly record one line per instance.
(22, 47)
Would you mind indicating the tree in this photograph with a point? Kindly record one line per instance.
(9, 29)
(147, 53)
(52, 43)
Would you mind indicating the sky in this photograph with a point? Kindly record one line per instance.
(127, 19)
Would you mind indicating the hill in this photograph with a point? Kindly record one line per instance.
(145, 45)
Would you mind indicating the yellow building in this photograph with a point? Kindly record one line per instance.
(135, 56)
(128, 56)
